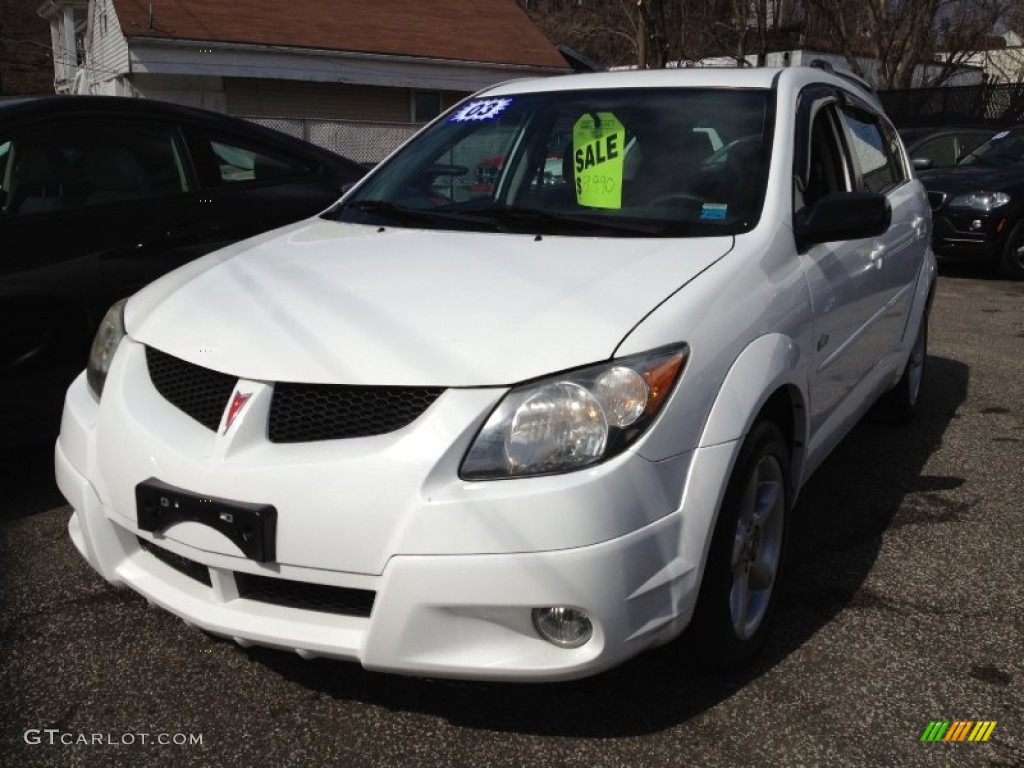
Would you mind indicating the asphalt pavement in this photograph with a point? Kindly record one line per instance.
(902, 606)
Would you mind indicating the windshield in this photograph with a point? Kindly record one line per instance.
(1005, 148)
(625, 162)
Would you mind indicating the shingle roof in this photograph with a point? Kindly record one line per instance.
(493, 31)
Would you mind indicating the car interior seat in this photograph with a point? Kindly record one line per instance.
(37, 180)
(113, 173)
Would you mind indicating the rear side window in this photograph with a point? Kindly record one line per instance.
(878, 154)
(88, 162)
(240, 162)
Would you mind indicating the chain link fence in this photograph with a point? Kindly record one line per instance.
(998, 105)
(367, 143)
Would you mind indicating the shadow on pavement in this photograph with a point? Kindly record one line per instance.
(31, 487)
(839, 521)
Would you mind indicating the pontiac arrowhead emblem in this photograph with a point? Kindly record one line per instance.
(234, 408)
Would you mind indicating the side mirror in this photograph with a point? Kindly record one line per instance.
(921, 163)
(842, 216)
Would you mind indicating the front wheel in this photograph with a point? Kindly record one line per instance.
(744, 564)
(1012, 263)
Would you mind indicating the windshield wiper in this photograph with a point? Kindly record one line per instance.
(401, 212)
(498, 218)
(536, 216)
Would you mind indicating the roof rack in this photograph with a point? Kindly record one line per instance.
(860, 82)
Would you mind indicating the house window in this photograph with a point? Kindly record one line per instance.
(426, 105)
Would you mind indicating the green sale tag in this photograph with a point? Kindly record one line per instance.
(597, 151)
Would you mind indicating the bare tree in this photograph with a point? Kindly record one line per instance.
(604, 30)
(882, 40)
(895, 36)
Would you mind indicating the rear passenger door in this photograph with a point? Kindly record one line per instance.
(845, 284)
(881, 166)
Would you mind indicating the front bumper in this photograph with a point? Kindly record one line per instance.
(455, 614)
(968, 236)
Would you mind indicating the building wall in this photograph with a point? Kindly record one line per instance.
(26, 58)
(331, 101)
(106, 49)
(192, 91)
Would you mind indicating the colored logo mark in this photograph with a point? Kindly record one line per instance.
(958, 730)
(234, 408)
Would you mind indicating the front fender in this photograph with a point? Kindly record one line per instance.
(768, 364)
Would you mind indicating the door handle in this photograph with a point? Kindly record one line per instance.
(877, 253)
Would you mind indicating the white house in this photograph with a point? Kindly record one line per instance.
(390, 60)
(1004, 64)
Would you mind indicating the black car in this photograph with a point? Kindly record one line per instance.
(978, 206)
(99, 196)
(934, 148)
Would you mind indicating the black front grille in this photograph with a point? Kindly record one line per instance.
(936, 199)
(309, 597)
(181, 564)
(199, 392)
(304, 412)
(298, 412)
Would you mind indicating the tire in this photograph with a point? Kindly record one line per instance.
(1012, 263)
(744, 566)
(899, 404)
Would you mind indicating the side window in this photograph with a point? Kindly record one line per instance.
(941, 151)
(238, 161)
(426, 105)
(968, 142)
(827, 169)
(878, 156)
(89, 162)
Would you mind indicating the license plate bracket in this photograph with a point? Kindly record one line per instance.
(251, 527)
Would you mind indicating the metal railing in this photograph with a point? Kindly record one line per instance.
(997, 104)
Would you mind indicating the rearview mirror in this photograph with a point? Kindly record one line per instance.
(921, 163)
(842, 216)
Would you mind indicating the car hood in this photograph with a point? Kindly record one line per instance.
(970, 177)
(327, 302)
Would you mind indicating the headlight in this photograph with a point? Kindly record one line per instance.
(104, 345)
(575, 419)
(981, 201)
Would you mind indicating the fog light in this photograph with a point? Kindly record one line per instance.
(562, 626)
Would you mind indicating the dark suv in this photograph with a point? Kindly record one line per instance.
(978, 205)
